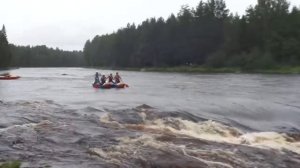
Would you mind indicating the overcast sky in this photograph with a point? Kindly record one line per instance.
(67, 24)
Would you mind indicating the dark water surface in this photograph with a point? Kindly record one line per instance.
(53, 117)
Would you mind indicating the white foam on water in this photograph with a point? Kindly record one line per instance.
(208, 130)
(213, 131)
(133, 148)
(270, 140)
(29, 126)
(14, 127)
(23, 132)
(107, 119)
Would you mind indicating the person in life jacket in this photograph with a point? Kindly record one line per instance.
(117, 78)
(103, 79)
(110, 78)
(97, 81)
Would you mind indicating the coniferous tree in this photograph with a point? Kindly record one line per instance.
(5, 54)
(266, 36)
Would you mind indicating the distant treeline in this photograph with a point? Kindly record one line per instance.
(38, 56)
(42, 56)
(267, 35)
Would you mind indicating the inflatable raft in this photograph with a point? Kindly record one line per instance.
(8, 77)
(110, 85)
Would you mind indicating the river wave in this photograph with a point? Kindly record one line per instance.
(45, 133)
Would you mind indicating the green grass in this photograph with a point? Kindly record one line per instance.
(117, 68)
(186, 69)
(192, 69)
(280, 70)
(13, 164)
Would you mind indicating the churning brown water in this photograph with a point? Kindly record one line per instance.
(52, 117)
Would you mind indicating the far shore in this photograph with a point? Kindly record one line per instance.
(190, 69)
(203, 69)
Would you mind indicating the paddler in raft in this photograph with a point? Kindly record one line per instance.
(97, 81)
(102, 80)
(110, 79)
(117, 78)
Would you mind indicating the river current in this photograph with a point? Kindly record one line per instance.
(53, 117)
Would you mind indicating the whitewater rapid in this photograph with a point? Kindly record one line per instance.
(54, 118)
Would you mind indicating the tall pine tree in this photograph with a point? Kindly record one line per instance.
(5, 54)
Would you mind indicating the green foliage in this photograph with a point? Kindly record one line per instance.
(14, 164)
(256, 59)
(186, 38)
(266, 36)
(207, 69)
(216, 59)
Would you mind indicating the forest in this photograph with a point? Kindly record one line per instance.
(208, 35)
(42, 56)
(36, 56)
(266, 36)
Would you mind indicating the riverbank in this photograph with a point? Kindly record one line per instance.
(13, 164)
(199, 69)
(202, 69)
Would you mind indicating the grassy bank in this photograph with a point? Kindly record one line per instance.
(201, 69)
(192, 69)
(279, 70)
(204, 69)
(13, 164)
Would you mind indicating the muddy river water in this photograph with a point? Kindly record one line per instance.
(52, 117)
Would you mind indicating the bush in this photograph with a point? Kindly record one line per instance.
(257, 59)
(216, 59)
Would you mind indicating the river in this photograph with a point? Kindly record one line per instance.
(53, 117)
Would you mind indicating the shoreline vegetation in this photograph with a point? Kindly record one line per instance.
(203, 69)
(195, 69)
(206, 69)
(12, 164)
